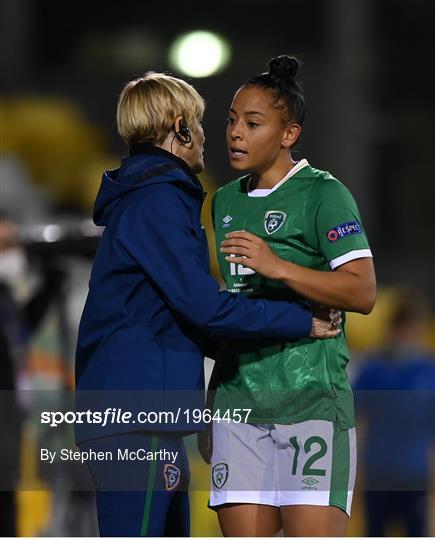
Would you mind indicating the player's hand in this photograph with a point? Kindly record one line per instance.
(245, 248)
(205, 443)
(326, 322)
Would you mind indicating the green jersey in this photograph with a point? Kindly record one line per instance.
(311, 219)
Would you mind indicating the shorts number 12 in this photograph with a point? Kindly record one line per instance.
(307, 470)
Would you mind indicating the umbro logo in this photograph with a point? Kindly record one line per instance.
(310, 484)
(310, 481)
(227, 220)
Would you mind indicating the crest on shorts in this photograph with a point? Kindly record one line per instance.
(274, 220)
(172, 476)
(220, 474)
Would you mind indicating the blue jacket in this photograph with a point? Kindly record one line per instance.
(152, 304)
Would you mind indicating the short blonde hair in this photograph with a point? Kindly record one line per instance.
(148, 106)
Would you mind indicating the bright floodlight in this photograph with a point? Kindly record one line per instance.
(199, 54)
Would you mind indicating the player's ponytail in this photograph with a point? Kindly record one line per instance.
(281, 79)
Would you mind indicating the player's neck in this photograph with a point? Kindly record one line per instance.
(269, 178)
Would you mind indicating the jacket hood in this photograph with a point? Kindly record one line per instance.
(145, 166)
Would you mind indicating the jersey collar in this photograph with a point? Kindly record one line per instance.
(264, 192)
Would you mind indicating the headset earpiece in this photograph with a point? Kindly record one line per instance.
(183, 134)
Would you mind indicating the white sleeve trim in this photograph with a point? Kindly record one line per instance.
(351, 256)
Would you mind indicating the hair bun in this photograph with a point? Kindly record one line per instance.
(283, 67)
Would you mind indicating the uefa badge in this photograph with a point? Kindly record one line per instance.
(220, 474)
(172, 476)
(274, 220)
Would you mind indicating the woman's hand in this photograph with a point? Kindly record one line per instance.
(351, 286)
(326, 322)
(251, 251)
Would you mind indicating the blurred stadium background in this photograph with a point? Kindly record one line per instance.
(369, 79)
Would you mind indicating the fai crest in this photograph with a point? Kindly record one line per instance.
(274, 220)
(172, 476)
(220, 474)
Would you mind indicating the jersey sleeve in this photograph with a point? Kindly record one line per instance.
(340, 234)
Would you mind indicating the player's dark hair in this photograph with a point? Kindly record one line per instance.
(281, 79)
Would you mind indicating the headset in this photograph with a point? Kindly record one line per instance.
(183, 134)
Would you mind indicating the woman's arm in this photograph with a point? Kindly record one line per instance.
(169, 258)
(350, 287)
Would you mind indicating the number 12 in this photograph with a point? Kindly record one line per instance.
(307, 470)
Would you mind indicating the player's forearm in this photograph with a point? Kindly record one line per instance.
(341, 290)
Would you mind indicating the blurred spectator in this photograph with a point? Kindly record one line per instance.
(17, 323)
(395, 397)
(9, 411)
(25, 200)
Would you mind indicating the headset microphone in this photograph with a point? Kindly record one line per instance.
(183, 134)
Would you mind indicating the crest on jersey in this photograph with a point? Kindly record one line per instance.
(172, 476)
(220, 474)
(274, 220)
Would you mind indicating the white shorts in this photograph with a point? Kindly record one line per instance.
(309, 462)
